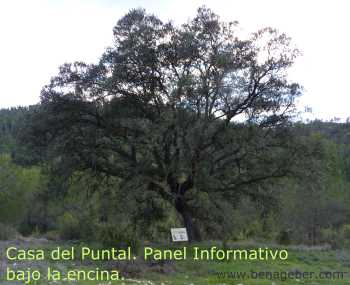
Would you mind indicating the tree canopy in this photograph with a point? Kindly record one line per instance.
(190, 113)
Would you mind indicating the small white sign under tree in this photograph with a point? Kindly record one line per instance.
(179, 234)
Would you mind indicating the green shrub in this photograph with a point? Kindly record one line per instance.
(270, 227)
(332, 237)
(107, 234)
(346, 231)
(110, 235)
(283, 237)
(52, 235)
(68, 226)
(7, 232)
(254, 229)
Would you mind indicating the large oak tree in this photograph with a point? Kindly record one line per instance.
(186, 112)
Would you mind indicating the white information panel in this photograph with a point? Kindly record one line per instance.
(179, 234)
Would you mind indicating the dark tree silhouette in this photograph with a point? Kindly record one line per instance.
(190, 112)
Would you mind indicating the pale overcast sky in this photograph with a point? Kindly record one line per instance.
(38, 36)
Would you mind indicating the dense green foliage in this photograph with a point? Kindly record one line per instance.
(310, 207)
(186, 115)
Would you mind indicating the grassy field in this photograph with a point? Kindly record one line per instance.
(330, 263)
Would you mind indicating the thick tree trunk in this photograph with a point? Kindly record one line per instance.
(192, 228)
